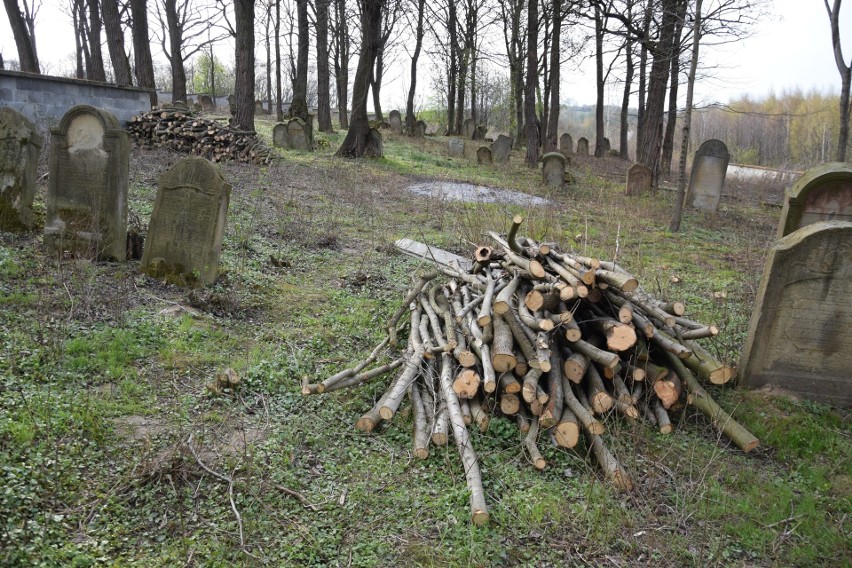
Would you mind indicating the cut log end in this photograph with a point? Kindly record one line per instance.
(566, 434)
(366, 424)
(480, 518)
(421, 453)
(440, 438)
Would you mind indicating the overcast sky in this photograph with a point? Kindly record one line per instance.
(790, 48)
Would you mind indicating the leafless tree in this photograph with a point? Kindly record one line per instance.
(112, 15)
(845, 70)
(244, 59)
(22, 22)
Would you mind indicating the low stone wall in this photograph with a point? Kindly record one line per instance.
(44, 99)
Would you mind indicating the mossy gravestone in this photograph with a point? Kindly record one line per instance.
(188, 224)
(501, 148)
(87, 192)
(300, 135)
(708, 176)
(456, 147)
(469, 128)
(823, 193)
(638, 179)
(483, 155)
(582, 147)
(566, 144)
(799, 333)
(279, 135)
(553, 169)
(20, 145)
(395, 121)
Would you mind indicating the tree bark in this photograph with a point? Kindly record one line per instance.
(323, 96)
(341, 62)
(674, 83)
(551, 139)
(24, 41)
(175, 31)
(643, 71)
(410, 119)
(244, 57)
(279, 103)
(452, 70)
(599, 81)
(142, 48)
(268, 45)
(115, 43)
(355, 143)
(299, 103)
(530, 119)
(845, 79)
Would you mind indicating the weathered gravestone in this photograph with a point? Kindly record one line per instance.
(501, 148)
(553, 169)
(395, 120)
(708, 175)
(566, 144)
(207, 102)
(87, 192)
(799, 332)
(259, 108)
(279, 135)
(420, 129)
(483, 155)
(638, 179)
(469, 128)
(188, 224)
(606, 146)
(456, 147)
(823, 193)
(479, 132)
(299, 135)
(20, 145)
(582, 147)
(430, 129)
(374, 147)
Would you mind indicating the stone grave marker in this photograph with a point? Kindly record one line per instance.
(483, 155)
(606, 146)
(582, 147)
(374, 147)
(469, 128)
(799, 332)
(501, 148)
(299, 135)
(259, 108)
(20, 146)
(188, 224)
(708, 175)
(553, 169)
(823, 193)
(479, 132)
(420, 129)
(566, 144)
(87, 192)
(395, 120)
(430, 130)
(279, 135)
(456, 147)
(207, 102)
(638, 179)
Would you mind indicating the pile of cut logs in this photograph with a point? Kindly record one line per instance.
(544, 337)
(181, 130)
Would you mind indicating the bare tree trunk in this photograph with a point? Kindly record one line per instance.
(410, 119)
(355, 143)
(279, 106)
(623, 150)
(552, 139)
(643, 72)
(299, 104)
(25, 42)
(323, 96)
(96, 72)
(79, 38)
(142, 48)
(677, 214)
(244, 59)
(268, 44)
(452, 71)
(175, 54)
(845, 79)
(530, 118)
(376, 83)
(341, 62)
(115, 43)
(599, 75)
(674, 82)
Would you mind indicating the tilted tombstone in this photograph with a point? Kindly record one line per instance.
(501, 148)
(279, 135)
(188, 224)
(566, 144)
(420, 129)
(469, 128)
(456, 147)
(483, 155)
(799, 332)
(207, 102)
(259, 108)
(20, 145)
(395, 120)
(299, 135)
(374, 147)
(87, 192)
(582, 147)
(430, 129)
(823, 193)
(606, 146)
(553, 169)
(491, 135)
(708, 175)
(639, 179)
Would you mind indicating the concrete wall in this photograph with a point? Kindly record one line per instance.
(44, 99)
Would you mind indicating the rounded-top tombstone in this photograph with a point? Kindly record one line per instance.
(553, 169)
(279, 135)
(299, 135)
(20, 146)
(483, 155)
(583, 147)
(469, 128)
(395, 121)
(708, 175)
(823, 193)
(639, 179)
(420, 129)
(87, 189)
(566, 144)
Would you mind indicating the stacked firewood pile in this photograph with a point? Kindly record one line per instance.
(549, 339)
(181, 130)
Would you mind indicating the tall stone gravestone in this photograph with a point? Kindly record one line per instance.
(582, 147)
(420, 129)
(279, 135)
(501, 148)
(20, 145)
(483, 155)
(188, 224)
(469, 128)
(456, 147)
(395, 120)
(207, 102)
(299, 135)
(799, 332)
(823, 193)
(566, 144)
(708, 175)
(553, 169)
(87, 192)
(638, 179)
